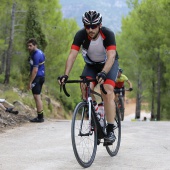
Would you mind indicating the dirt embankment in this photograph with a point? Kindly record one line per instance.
(10, 120)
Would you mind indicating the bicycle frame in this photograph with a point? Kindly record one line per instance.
(86, 130)
(100, 131)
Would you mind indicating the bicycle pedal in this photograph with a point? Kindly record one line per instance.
(107, 143)
(92, 128)
(98, 141)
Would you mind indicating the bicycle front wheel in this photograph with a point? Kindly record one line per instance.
(114, 148)
(84, 140)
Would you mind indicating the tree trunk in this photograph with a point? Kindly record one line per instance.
(153, 100)
(2, 68)
(159, 90)
(138, 106)
(9, 51)
(138, 100)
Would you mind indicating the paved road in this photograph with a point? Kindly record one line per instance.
(47, 146)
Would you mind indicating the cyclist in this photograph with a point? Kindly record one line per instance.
(121, 78)
(101, 58)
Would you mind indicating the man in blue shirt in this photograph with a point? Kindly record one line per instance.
(37, 76)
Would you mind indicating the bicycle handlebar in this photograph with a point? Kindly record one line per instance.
(84, 80)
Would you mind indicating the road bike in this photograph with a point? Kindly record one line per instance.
(86, 130)
(120, 102)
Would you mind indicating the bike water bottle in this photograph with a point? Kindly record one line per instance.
(32, 85)
(102, 114)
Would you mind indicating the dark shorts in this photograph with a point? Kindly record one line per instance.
(39, 81)
(123, 91)
(92, 70)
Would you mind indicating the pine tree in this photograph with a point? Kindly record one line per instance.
(33, 30)
(34, 26)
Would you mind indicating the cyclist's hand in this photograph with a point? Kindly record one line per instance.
(101, 77)
(130, 89)
(62, 79)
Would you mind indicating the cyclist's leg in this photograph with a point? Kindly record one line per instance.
(116, 95)
(88, 72)
(122, 106)
(83, 90)
(110, 111)
(123, 93)
(109, 98)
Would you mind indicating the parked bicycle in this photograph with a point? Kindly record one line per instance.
(120, 102)
(86, 130)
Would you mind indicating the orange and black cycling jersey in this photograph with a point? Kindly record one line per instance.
(120, 81)
(82, 39)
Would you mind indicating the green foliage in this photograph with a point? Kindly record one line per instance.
(1, 78)
(10, 95)
(145, 36)
(34, 26)
(42, 20)
(143, 45)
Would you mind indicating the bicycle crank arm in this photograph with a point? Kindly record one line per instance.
(85, 134)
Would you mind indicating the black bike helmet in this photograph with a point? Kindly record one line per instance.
(91, 18)
(120, 70)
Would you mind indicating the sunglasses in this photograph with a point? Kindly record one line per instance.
(91, 26)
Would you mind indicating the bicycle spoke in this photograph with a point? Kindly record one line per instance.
(84, 140)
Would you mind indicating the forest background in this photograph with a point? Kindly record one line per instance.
(143, 44)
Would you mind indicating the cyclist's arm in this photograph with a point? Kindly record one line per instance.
(70, 61)
(36, 61)
(111, 54)
(32, 76)
(130, 84)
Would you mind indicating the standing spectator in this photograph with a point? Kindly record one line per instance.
(37, 76)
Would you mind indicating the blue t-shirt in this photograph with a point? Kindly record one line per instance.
(37, 60)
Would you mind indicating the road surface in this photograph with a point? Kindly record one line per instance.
(47, 146)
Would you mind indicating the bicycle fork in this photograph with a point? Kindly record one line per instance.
(90, 117)
(89, 121)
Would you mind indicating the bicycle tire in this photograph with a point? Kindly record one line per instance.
(114, 148)
(121, 102)
(84, 147)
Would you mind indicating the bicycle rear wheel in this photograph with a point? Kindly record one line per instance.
(84, 143)
(121, 103)
(114, 148)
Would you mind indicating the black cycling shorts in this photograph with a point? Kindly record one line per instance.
(38, 81)
(123, 91)
(92, 70)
